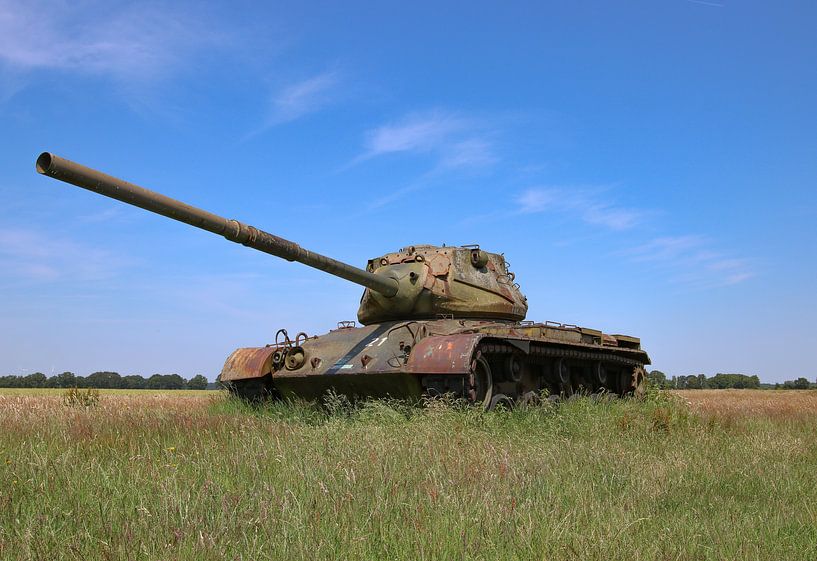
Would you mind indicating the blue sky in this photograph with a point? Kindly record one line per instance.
(647, 168)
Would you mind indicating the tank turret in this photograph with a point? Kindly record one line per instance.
(458, 282)
(417, 282)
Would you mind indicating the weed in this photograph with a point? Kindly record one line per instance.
(337, 405)
(661, 419)
(75, 397)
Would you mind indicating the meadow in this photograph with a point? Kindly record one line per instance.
(718, 474)
(58, 392)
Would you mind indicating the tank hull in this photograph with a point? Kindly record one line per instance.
(471, 359)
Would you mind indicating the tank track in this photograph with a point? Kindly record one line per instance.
(255, 390)
(538, 350)
(546, 371)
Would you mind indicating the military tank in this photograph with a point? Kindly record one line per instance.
(433, 320)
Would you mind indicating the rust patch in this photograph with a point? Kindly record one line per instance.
(247, 363)
(439, 265)
(444, 354)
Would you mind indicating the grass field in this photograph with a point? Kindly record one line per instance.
(694, 475)
(57, 392)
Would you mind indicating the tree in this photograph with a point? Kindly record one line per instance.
(155, 382)
(657, 379)
(175, 382)
(104, 380)
(36, 380)
(166, 382)
(197, 382)
(739, 381)
(10, 381)
(134, 382)
(693, 382)
(64, 380)
(798, 384)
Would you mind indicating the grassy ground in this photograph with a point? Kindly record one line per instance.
(57, 392)
(159, 476)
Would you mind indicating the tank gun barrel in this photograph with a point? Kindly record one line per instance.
(235, 231)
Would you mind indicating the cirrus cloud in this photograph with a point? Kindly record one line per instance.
(131, 42)
(454, 141)
(691, 261)
(585, 203)
(301, 98)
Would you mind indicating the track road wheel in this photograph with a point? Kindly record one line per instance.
(514, 368)
(530, 399)
(481, 384)
(638, 382)
(501, 401)
(601, 374)
(563, 377)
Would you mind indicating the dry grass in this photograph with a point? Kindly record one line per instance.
(60, 391)
(746, 404)
(162, 477)
(21, 408)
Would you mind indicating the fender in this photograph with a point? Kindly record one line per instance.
(247, 363)
(444, 354)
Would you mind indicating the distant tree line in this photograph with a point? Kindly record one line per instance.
(105, 380)
(721, 381)
(798, 384)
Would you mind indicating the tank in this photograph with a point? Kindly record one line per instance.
(433, 320)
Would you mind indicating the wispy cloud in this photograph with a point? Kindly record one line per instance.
(454, 141)
(451, 142)
(34, 256)
(667, 248)
(587, 204)
(468, 153)
(691, 261)
(125, 41)
(415, 133)
(301, 98)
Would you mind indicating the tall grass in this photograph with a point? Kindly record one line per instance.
(160, 477)
(782, 405)
(27, 392)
